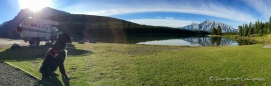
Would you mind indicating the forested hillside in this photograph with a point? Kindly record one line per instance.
(85, 26)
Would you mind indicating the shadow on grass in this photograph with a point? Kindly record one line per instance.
(54, 81)
(32, 53)
(73, 51)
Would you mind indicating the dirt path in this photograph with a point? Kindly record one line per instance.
(9, 42)
(266, 46)
(14, 77)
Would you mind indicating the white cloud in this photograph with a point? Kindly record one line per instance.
(261, 6)
(169, 17)
(194, 7)
(159, 17)
(163, 22)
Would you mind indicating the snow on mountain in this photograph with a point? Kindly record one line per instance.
(208, 25)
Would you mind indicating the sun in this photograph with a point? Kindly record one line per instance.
(34, 5)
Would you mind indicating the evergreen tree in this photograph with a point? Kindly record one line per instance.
(270, 22)
(256, 27)
(266, 27)
(252, 29)
(219, 31)
(245, 30)
(261, 28)
(240, 30)
(268, 31)
(249, 29)
(214, 31)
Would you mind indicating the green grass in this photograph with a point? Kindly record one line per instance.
(128, 64)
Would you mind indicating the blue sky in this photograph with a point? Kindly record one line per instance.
(173, 13)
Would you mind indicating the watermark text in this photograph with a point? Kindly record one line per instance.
(216, 78)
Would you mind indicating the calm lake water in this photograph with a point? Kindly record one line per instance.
(201, 41)
(172, 40)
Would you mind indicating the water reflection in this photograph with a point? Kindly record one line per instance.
(172, 40)
(133, 39)
(200, 41)
(211, 41)
(245, 42)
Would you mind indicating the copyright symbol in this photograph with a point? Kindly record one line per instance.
(211, 78)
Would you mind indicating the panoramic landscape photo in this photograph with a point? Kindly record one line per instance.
(135, 42)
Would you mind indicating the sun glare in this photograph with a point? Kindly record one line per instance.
(34, 5)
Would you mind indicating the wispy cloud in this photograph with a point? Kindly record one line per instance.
(169, 17)
(261, 6)
(163, 22)
(159, 17)
(184, 6)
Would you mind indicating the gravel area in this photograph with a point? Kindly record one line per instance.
(9, 42)
(10, 76)
(266, 46)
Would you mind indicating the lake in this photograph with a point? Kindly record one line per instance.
(172, 40)
(200, 41)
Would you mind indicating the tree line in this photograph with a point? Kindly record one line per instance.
(258, 28)
(216, 31)
(88, 25)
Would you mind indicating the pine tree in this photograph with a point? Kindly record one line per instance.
(270, 22)
(249, 29)
(268, 31)
(257, 27)
(219, 31)
(214, 31)
(266, 27)
(261, 28)
(240, 30)
(252, 29)
(245, 30)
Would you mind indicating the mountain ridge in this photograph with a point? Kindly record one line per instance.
(3, 23)
(208, 25)
(26, 13)
(82, 26)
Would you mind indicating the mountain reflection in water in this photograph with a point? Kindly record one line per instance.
(201, 41)
(172, 40)
(211, 41)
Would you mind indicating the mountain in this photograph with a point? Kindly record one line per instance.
(3, 24)
(81, 26)
(91, 26)
(208, 25)
(26, 13)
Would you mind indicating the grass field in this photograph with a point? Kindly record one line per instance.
(129, 64)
